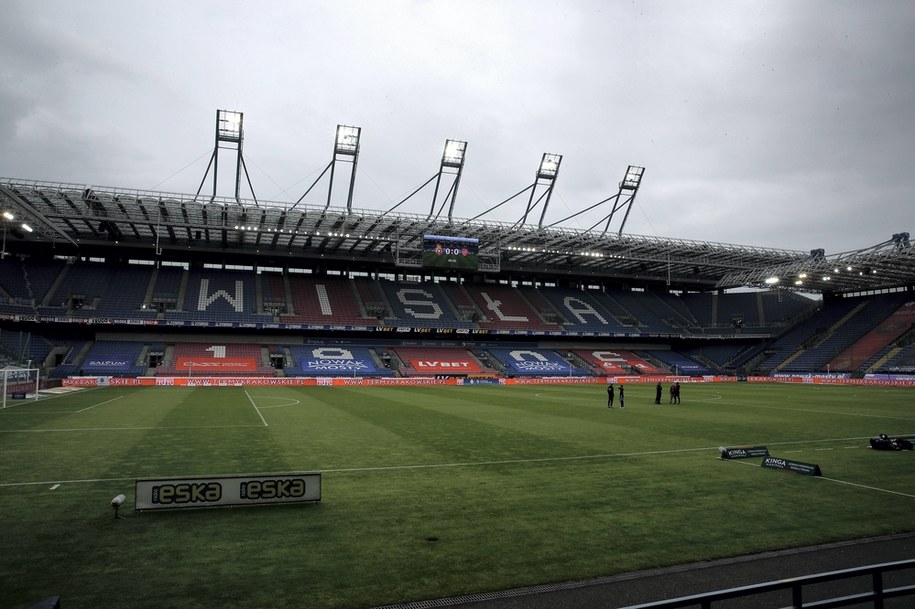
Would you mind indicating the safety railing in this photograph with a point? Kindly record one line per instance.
(877, 594)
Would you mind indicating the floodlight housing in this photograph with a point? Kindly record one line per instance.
(633, 178)
(453, 154)
(9, 216)
(347, 140)
(549, 166)
(229, 125)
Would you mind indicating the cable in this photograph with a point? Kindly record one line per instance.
(180, 170)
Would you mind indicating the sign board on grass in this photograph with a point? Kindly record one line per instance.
(172, 493)
(809, 469)
(743, 452)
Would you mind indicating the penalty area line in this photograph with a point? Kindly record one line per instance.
(256, 409)
(99, 404)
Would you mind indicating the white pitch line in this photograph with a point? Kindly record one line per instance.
(290, 401)
(99, 404)
(79, 429)
(45, 398)
(410, 467)
(85, 481)
(871, 488)
(516, 461)
(54, 488)
(847, 414)
(864, 486)
(256, 409)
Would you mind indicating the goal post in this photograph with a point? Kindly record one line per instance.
(18, 382)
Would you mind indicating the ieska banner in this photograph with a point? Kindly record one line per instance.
(175, 493)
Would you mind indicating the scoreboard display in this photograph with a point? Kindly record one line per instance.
(451, 252)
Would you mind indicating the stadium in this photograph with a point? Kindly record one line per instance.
(439, 382)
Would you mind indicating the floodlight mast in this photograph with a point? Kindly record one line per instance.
(631, 182)
(452, 158)
(546, 175)
(230, 135)
(347, 142)
(346, 149)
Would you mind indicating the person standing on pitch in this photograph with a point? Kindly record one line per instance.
(622, 405)
(657, 393)
(610, 396)
(677, 392)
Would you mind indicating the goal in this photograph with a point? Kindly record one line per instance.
(18, 383)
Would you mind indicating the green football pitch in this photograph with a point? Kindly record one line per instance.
(430, 492)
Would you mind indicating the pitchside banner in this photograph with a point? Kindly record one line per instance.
(809, 469)
(172, 493)
(743, 452)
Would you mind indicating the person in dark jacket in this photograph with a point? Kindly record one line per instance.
(657, 393)
(609, 396)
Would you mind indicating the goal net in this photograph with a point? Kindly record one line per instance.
(18, 383)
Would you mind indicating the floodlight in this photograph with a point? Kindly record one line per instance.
(26, 227)
(229, 125)
(8, 215)
(347, 141)
(453, 155)
(549, 165)
(633, 178)
(771, 280)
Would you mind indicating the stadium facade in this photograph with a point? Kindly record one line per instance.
(114, 282)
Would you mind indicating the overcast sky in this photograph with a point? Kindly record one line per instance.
(786, 124)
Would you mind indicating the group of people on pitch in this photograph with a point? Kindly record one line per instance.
(674, 394)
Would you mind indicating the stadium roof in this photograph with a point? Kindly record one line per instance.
(75, 216)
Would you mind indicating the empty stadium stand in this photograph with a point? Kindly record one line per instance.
(433, 361)
(219, 359)
(764, 332)
(332, 360)
(526, 361)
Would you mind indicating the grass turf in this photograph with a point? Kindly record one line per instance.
(430, 491)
